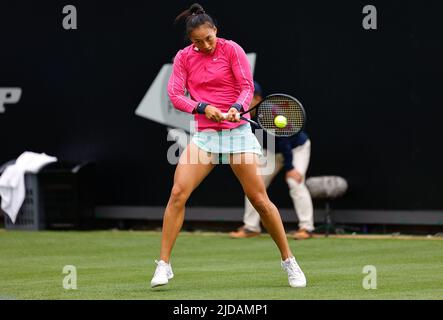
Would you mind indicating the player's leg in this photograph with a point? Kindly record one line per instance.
(254, 188)
(251, 217)
(194, 165)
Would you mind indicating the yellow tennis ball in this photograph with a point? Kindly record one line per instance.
(280, 121)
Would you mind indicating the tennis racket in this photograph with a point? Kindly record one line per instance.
(278, 107)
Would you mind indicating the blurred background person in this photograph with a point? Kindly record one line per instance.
(292, 154)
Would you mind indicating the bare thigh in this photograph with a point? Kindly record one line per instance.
(194, 165)
(248, 173)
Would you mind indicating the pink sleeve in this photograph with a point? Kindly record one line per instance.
(177, 86)
(242, 73)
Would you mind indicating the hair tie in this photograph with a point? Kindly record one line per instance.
(201, 12)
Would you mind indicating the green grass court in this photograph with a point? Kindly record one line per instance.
(211, 266)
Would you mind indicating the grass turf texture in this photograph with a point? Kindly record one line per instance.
(120, 264)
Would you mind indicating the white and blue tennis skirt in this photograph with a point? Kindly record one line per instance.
(238, 140)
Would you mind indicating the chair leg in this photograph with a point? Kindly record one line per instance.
(328, 221)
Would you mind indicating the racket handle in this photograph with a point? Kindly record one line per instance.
(225, 115)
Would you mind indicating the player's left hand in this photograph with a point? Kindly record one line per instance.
(232, 115)
(294, 174)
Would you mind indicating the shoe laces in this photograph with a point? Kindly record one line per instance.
(161, 265)
(292, 267)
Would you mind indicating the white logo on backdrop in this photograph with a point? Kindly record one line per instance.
(8, 96)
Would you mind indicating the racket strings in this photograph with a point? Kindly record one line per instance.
(281, 106)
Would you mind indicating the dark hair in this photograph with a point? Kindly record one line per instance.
(194, 17)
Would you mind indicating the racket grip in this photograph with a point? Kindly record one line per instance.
(225, 115)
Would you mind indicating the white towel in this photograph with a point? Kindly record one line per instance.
(12, 181)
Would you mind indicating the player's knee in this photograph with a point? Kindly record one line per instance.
(178, 195)
(260, 202)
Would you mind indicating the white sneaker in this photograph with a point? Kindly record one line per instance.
(296, 277)
(163, 273)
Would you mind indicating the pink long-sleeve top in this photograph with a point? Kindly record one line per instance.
(221, 79)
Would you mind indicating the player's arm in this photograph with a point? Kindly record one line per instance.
(243, 75)
(177, 86)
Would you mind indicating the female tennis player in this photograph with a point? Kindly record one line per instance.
(216, 74)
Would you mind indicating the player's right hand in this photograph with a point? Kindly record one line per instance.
(213, 113)
(232, 115)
